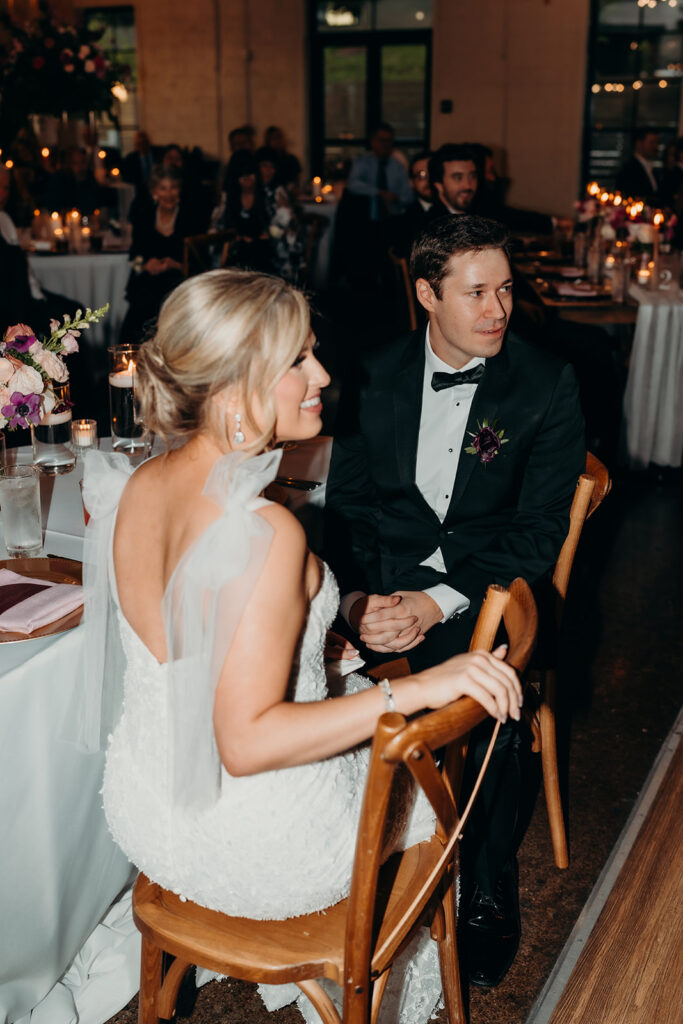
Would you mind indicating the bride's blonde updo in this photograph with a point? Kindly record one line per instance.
(223, 329)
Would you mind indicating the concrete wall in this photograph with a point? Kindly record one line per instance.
(515, 73)
(206, 66)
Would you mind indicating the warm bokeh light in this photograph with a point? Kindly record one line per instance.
(637, 84)
(36, 212)
(593, 188)
(115, 172)
(658, 219)
(595, 87)
(9, 164)
(101, 153)
(54, 215)
(119, 91)
(317, 180)
(662, 83)
(45, 152)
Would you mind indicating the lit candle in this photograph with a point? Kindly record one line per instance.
(122, 398)
(84, 434)
(644, 277)
(317, 186)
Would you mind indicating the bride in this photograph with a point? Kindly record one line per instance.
(232, 776)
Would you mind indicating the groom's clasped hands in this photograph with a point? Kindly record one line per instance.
(394, 623)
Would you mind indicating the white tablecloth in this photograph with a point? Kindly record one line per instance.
(91, 279)
(60, 871)
(653, 401)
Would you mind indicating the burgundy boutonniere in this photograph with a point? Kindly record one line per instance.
(487, 442)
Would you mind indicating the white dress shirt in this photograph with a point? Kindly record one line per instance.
(440, 440)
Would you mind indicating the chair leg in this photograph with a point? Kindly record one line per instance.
(168, 995)
(150, 982)
(321, 1001)
(448, 960)
(551, 779)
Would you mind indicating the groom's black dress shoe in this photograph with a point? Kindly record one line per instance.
(491, 931)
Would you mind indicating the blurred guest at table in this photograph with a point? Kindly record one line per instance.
(454, 179)
(30, 177)
(284, 225)
(378, 188)
(638, 177)
(380, 177)
(137, 166)
(672, 182)
(288, 167)
(75, 186)
(403, 230)
(240, 140)
(245, 211)
(156, 251)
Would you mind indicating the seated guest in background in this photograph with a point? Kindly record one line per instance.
(137, 166)
(377, 188)
(75, 186)
(240, 140)
(284, 227)
(288, 167)
(672, 182)
(380, 177)
(245, 211)
(159, 229)
(427, 504)
(454, 179)
(403, 230)
(638, 177)
(197, 200)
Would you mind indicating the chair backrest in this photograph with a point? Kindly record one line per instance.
(198, 251)
(592, 487)
(381, 918)
(401, 264)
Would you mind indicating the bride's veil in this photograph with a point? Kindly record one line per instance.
(201, 610)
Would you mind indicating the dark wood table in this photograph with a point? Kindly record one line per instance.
(541, 273)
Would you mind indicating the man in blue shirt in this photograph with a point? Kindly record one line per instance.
(380, 176)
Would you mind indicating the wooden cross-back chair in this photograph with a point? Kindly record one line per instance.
(199, 251)
(401, 265)
(355, 942)
(540, 703)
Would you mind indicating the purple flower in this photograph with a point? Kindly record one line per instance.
(22, 342)
(487, 442)
(22, 411)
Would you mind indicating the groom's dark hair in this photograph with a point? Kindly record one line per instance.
(450, 236)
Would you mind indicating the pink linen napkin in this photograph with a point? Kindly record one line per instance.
(27, 604)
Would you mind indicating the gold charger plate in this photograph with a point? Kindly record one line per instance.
(53, 570)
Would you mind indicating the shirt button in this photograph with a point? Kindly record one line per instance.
(446, 495)
(450, 450)
(457, 403)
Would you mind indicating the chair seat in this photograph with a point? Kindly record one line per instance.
(276, 952)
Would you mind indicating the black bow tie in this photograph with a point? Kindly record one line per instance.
(449, 380)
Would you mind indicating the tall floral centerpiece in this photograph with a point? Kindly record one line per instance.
(34, 388)
(53, 69)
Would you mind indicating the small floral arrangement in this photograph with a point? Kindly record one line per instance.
(487, 442)
(29, 368)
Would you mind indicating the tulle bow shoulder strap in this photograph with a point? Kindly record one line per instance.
(202, 608)
(104, 478)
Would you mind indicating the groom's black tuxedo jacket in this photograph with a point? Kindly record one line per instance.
(506, 518)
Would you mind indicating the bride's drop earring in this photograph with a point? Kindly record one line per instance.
(238, 436)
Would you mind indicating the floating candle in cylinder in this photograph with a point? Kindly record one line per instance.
(126, 430)
(317, 186)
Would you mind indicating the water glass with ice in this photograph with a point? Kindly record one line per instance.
(20, 500)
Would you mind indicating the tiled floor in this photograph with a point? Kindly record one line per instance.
(621, 688)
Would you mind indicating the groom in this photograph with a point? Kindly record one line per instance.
(454, 466)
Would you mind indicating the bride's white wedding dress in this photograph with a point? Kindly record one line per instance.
(270, 846)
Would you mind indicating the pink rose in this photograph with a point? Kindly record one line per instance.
(54, 366)
(6, 371)
(18, 329)
(27, 381)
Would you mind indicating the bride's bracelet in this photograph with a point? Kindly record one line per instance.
(385, 687)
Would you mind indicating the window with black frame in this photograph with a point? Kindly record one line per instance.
(636, 62)
(371, 62)
(117, 39)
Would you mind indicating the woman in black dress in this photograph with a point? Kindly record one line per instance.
(159, 229)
